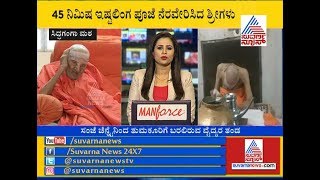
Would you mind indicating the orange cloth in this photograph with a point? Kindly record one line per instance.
(84, 100)
(105, 50)
(270, 120)
(240, 93)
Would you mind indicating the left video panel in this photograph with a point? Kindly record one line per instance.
(79, 81)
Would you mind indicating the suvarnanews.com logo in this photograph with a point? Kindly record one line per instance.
(253, 150)
(253, 155)
(253, 30)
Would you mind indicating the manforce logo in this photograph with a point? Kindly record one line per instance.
(253, 150)
(55, 140)
(161, 112)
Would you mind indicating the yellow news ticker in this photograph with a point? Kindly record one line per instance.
(155, 14)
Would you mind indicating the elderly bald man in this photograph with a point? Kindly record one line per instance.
(78, 85)
(231, 78)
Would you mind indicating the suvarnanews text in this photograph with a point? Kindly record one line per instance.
(104, 151)
(254, 166)
(97, 161)
(92, 171)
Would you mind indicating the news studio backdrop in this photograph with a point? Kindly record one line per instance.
(247, 34)
(135, 42)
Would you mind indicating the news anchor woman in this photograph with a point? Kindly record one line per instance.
(163, 80)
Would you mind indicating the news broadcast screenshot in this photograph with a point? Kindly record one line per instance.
(159, 89)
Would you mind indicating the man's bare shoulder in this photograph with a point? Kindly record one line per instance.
(243, 71)
(244, 75)
(222, 66)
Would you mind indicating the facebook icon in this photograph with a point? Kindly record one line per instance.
(50, 151)
(50, 161)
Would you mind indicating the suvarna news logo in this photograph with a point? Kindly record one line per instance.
(257, 154)
(253, 30)
(253, 150)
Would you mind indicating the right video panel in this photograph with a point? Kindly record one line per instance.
(239, 85)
